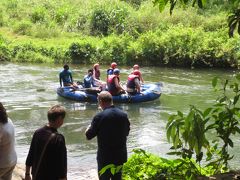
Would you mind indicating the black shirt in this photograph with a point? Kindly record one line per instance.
(111, 126)
(54, 162)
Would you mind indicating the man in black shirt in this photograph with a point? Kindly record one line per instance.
(111, 126)
(47, 157)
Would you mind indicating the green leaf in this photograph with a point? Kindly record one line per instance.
(113, 170)
(207, 111)
(230, 142)
(214, 82)
(104, 169)
(238, 76)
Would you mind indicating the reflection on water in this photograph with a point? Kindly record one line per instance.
(28, 91)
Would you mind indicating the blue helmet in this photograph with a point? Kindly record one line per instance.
(116, 71)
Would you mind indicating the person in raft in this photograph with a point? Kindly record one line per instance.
(113, 83)
(8, 155)
(136, 67)
(65, 77)
(47, 156)
(110, 70)
(88, 79)
(111, 127)
(133, 83)
(96, 77)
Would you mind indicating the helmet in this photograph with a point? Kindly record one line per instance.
(136, 66)
(116, 71)
(113, 65)
(136, 72)
(95, 65)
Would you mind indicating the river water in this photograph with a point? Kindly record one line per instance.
(27, 91)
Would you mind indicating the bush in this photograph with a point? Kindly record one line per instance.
(30, 56)
(23, 28)
(38, 15)
(100, 22)
(80, 52)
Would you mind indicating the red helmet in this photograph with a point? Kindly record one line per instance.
(95, 65)
(136, 66)
(137, 72)
(113, 65)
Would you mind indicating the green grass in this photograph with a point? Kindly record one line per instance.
(124, 31)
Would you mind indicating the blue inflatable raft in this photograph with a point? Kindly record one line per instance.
(149, 92)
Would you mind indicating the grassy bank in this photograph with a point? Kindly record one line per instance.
(127, 32)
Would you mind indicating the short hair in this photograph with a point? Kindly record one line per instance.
(90, 70)
(105, 97)
(55, 112)
(66, 66)
(3, 114)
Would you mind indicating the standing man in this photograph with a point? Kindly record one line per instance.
(47, 156)
(111, 126)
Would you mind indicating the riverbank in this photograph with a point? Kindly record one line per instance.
(125, 32)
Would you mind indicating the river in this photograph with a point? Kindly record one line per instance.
(28, 90)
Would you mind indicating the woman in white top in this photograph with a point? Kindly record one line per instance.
(8, 156)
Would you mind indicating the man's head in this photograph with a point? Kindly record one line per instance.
(56, 115)
(105, 99)
(135, 67)
(113, 65)
(66, 67)
(90, 72)
(116, 71)
(3, 114)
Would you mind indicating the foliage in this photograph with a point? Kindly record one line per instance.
(143, 165)
(118, 31)
(233, 19)
(234, 22)
(188, 133)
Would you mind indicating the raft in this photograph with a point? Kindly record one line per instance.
(149, 92)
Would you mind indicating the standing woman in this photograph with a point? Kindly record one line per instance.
(8, 156)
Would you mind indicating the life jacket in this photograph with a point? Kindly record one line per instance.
(131, 84)
(111, 85)
(88, 81)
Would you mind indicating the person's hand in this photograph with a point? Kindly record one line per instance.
(27, 177)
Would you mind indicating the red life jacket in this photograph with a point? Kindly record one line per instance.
(111, 85)
(131, 84)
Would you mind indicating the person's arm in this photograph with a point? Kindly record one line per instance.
(141, 78)
(27, 173)
(29, 160)
(60, 80)
(137, 83)
(92, 129)
(70, 74)
(118, 86)
(62, 157)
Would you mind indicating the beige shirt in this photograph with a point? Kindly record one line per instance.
(8, 156)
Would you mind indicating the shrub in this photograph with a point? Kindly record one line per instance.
(100, 22)
(23, 28)
(80, 52)
(38, 15)
(30, 56)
